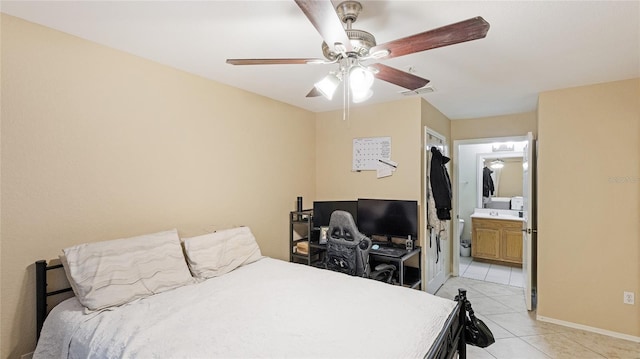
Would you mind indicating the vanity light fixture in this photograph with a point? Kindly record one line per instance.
(503, 147)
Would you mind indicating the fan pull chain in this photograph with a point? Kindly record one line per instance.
(345, 95)
(344, 99)
(347, 90)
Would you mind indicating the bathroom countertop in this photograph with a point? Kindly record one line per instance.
(500, 216)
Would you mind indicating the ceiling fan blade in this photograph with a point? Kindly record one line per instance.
(275, 61)
(398, 77)
(467, 30)
(324, 18)
(314, 93)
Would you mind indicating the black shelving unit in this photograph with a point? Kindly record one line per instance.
(301, 229)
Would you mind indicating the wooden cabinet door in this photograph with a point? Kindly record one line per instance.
(486, 243)
(512, 245)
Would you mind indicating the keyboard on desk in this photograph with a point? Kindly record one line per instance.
(390, 251)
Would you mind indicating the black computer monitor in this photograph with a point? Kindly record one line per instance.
(322, 211)
(390, 218)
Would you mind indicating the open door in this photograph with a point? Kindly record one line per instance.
(435, 248)
(529, 231)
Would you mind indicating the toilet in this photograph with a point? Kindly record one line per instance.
(465, 246)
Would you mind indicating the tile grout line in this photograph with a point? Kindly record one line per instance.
(580, 344)
(566, 337)
(463, 273)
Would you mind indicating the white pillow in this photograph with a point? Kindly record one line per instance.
(112, 273)
(65, 265)
(215, 254)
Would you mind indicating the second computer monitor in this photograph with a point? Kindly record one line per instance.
(322, 211)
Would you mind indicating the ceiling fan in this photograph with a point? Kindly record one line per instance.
(350, 48)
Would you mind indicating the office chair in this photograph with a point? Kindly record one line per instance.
(348, 250)
(383, 273)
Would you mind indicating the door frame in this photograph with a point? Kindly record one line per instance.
(427, 131)
(529, 230)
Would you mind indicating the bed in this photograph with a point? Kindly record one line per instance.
(267, 308)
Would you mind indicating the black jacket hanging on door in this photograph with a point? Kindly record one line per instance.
(440, 184)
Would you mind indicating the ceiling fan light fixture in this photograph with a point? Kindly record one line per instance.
(360, 79)
(358, 97)
(349, 48)
(328, 85)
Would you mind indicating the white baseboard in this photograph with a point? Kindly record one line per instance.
(589, 329)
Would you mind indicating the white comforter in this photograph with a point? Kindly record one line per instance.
(268, 309)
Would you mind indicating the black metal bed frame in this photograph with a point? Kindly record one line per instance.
(450, 341)
(41, 292)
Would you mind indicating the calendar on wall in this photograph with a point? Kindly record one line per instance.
(367, 152)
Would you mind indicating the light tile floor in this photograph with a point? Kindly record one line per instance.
(520, 336)
(494, 273)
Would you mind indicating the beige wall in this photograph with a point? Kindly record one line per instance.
(435, 120)
(334, 151)
(98, 144)
(589, 216)
(498, 126)
(510, 180)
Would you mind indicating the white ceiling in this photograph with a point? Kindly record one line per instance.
(532, 46)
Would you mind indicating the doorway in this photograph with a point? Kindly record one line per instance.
(473, 160)
(435, 255)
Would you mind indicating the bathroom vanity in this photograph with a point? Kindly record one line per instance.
(496, 236)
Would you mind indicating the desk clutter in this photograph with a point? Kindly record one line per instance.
(302, 247)
(392, 251)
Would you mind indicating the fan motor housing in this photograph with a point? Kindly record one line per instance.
(361, 42)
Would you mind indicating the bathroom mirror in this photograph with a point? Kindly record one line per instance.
(505, 172)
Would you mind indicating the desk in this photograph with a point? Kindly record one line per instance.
(413, 281)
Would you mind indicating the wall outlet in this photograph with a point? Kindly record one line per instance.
(629, 298)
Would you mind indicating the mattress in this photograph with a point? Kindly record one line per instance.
(266, 309)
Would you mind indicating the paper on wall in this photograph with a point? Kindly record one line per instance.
(385, 167)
